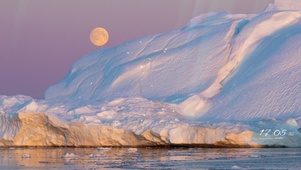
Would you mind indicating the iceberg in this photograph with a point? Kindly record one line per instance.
(282, 5)
(223, 80)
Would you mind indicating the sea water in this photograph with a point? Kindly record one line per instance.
(150, 158)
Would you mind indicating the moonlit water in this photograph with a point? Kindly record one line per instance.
(150, 158)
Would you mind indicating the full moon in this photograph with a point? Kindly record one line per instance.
(99, 36)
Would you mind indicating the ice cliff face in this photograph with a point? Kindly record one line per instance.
(222, 80)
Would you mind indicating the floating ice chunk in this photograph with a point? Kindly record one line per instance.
(94, 155)
(70, 156)
(253, 156)
(292, 122)
(100, 148)
(236, 167)
(132, 150)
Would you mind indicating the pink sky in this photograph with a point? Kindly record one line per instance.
(39, 40)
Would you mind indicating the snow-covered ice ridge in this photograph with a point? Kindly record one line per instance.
(222, 80)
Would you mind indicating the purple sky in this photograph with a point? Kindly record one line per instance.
(39, 40)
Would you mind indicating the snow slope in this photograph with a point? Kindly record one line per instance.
(222, 80)
(167, 67)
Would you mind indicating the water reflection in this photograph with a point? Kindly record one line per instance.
(163, 158)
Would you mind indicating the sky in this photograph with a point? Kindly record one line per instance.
(39, 40)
